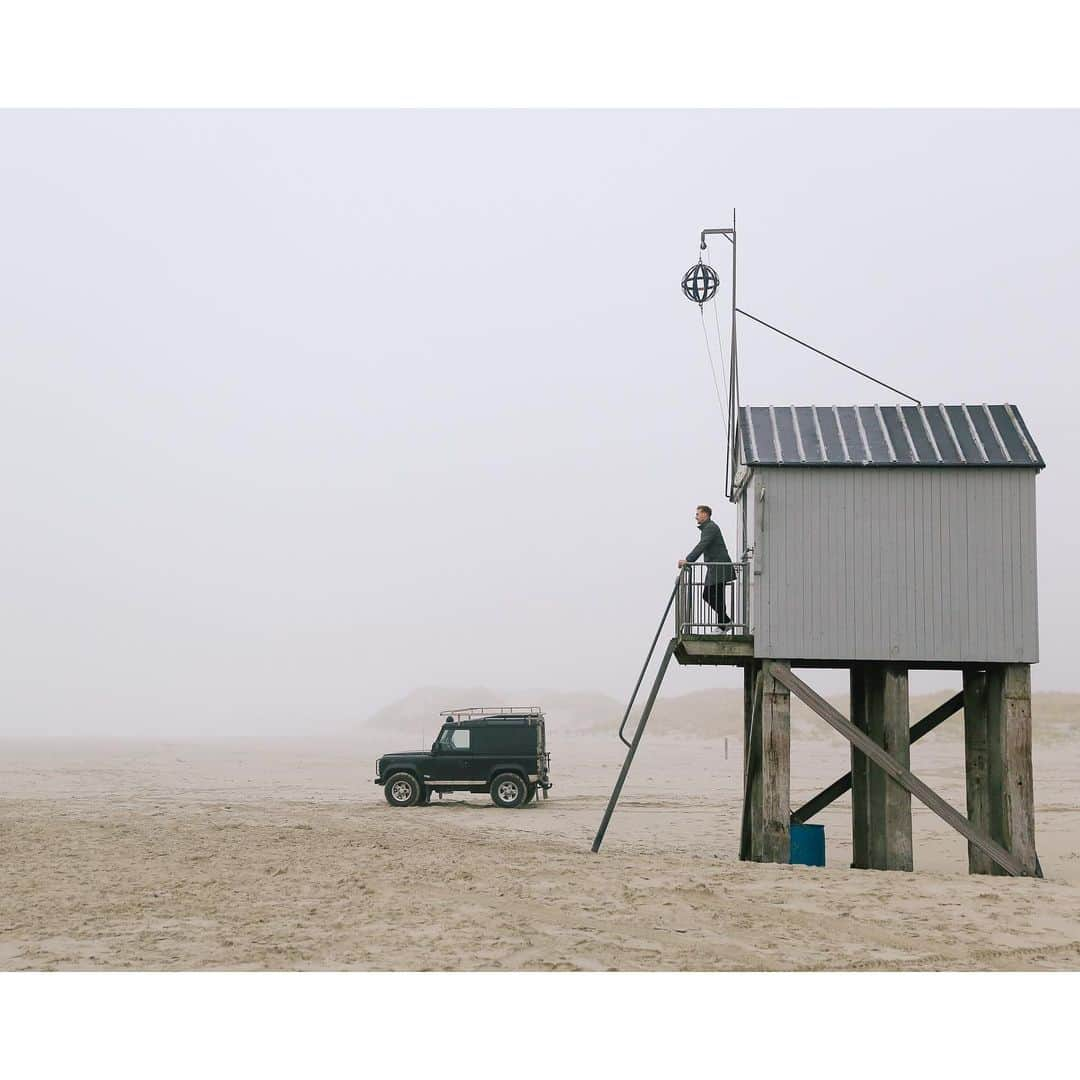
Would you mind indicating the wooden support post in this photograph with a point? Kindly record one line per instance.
(860, 773)
(750, 840)
(1012, 801)
(751, 673)
(748, 674)
(889, 803)
(775, 769)
(896, 729)
(875, 783)
(977, 766)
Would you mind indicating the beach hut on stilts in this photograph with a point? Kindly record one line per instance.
(875, 539)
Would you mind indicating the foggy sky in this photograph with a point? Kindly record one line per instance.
(303, 410)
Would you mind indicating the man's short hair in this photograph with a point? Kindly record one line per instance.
(705, 509)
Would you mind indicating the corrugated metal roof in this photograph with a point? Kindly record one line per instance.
(886, 435)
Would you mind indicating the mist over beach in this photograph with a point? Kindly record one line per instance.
(317, 423)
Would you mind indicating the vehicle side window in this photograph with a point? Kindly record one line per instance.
(459, 739)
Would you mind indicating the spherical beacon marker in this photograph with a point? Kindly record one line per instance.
(700, 283)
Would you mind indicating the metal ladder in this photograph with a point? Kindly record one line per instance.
(632, 746)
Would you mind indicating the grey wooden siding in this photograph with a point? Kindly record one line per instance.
(894, 564)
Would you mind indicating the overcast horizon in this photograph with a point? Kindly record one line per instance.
(305, 410)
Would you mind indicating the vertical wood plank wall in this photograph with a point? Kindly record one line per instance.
(897, 564)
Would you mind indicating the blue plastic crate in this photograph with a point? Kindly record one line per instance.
(807, 844)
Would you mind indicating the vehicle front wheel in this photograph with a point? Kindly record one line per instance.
(530, 794)
(402, 789)
(508, 790)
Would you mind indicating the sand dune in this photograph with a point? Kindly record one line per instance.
(564, 711)
(706, 714)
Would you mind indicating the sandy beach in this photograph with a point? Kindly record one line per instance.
(281, 854)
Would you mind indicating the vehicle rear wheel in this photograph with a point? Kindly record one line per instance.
(402, 789)
(530, 794)
(508, 790)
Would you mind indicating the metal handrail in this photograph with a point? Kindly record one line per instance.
(645, 666)
(684, 583)
(624, 772)
(694, 613)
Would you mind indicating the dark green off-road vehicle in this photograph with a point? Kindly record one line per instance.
(496, 752)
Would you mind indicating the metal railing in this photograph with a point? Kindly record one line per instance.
(698, 610)
(712, 598)
(470, 711)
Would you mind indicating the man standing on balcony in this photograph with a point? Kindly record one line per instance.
(719, 569)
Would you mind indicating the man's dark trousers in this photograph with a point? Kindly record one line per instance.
(714, 597)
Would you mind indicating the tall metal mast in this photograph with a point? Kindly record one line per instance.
(733, 376)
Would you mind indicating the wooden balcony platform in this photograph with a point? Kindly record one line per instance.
(734, 650)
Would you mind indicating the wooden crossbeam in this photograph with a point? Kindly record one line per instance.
(825, 797)
(885, 761)
(813, 807)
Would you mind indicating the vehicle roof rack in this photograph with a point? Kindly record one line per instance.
(502, 710)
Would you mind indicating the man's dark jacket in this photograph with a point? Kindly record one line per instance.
(712, 547)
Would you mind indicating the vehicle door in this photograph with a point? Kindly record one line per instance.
(538, 741)
(452, 764)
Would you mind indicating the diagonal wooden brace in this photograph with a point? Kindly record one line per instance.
(904, 777)
(842, 785)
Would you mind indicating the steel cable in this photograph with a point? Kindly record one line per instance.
(712, 368)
